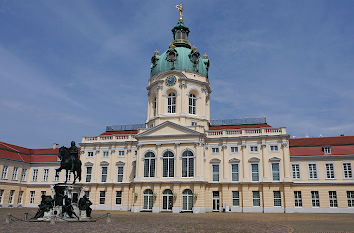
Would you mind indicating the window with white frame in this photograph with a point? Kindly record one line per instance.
(88, 174)
(235, 172)
(215, 150)
(194, 123)
(11, 196)
(104, 173)
(149, 164)
(277, 198)
(187, 164)
(327, 150)
(187, 200)
(350, 198)
(254, 149)
(171, 103)
(90, 154)
(256, 199)
(234, 149)
(312, 171)
(102, 197)
(105, 154)
(56, 177)
(297, 198)
(255, 171)
(120, 173)
(1, 195)
(275, 171)
(235, 198)
(274, 148)
(45, 174)
(148, 199)
(69, 176)
(5, 171)
(121, 153)
(315, 199)
(24, 174)
(154, 105)
(168, 164)
(118, 197)
(32, 195)
(192, 104)
(20, 196)
(347, 170)
(329, 171)
(35, 175)
(15, 173)
(296, 171)
(333, 199)
(215, 170)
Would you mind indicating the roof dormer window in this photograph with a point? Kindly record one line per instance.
(326, 150)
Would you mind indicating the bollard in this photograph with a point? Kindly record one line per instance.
(8, 217)
(52, 220)
(108, 218)
(25, 216)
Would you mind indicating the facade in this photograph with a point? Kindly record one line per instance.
(181, 161)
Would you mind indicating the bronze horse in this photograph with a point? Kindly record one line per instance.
(66, 163)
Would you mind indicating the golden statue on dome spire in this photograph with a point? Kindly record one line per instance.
(180, 9)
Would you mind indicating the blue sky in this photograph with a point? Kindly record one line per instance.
(69, 68)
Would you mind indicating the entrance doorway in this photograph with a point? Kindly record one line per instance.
(167, 200)
(216, 201)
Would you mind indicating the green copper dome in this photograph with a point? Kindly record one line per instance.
(180, 55)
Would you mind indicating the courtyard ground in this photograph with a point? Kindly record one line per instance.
(168, 222)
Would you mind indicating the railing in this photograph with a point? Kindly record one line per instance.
(106, 138)
(111, 128)
(242, 121)
(244, 132)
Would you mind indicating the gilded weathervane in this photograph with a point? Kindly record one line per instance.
(180, 9)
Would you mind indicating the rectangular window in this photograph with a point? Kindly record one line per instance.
(235, 198)
(120, 171)
(275, 171)
(235, 172)
(102, 197)
(274, 148)
(88, 174)
(350, 198)
(333, 199)
(234, 149)
(136, 153)
(15, 173)
(315, 199)
(256, 199)
(24, 174)
(118, 197)
(298, 198)
(1, 195)
(277, 198)
(253, 149)
(87, 194)
(56, 177)
(35, 175)
(312, 171)
(11, 196)
(215, 150)
(296, 171)
(134, 169)
(43, 193)
(90, 154)
(329, 171)
(121, 153)
(20, 196)
(347, 169)
(215, 172)
(105, 153)
(32, 193)
(326, 150)
(104, 171)
(45, 174)
(194, 123)
(5, 170)
(255, 172)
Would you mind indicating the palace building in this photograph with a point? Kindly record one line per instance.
(182, 161)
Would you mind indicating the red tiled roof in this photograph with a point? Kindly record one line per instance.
(322, 141)
(120, 132)
(238, 126)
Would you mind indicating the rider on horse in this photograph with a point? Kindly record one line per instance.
(74, 154)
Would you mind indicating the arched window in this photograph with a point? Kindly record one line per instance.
(149, 164)
(187, 200)
(187, 164)
(154, 106)
(148, 199)
(192, 104)
(168, 164)
(167, 200)
(171, 103)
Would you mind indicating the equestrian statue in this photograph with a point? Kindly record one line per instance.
(70, 162)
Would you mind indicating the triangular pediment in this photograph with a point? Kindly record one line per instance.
(168, 129)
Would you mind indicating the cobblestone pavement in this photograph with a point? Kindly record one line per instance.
(166, 222)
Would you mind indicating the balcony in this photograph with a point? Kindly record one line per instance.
(109, 138)
(246, 132)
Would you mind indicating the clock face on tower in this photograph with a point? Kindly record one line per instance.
(170, 80)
